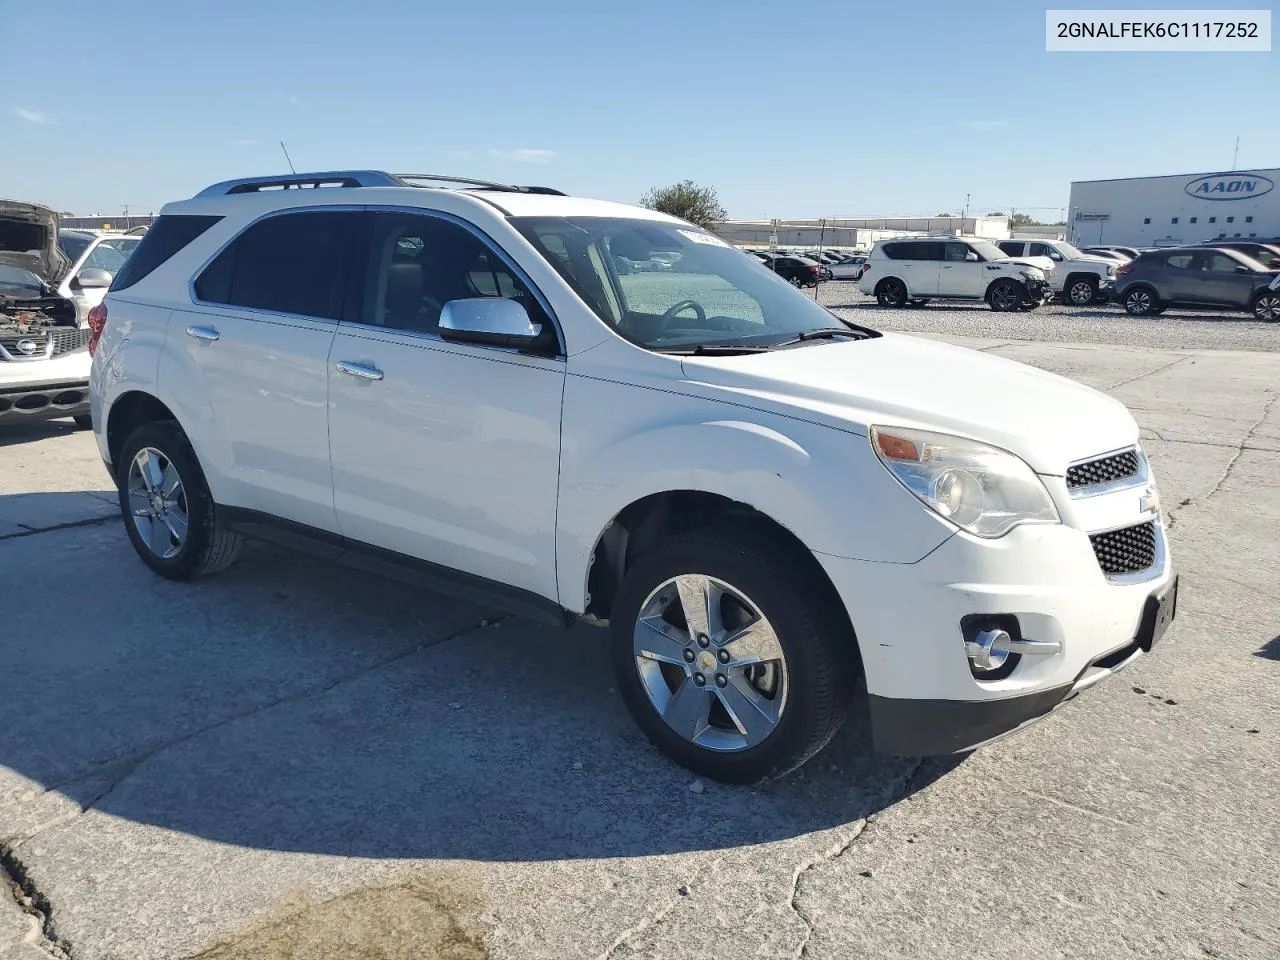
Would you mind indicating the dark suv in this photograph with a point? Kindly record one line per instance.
(801, 271)
(1267, 254)
(1198, 277)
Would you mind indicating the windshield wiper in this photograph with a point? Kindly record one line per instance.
(828, 333)
(714, 350)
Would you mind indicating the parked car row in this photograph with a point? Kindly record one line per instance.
(1218, 277)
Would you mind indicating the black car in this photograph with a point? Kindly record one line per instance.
(801, 271)
(1267, 254)
(1198, 277)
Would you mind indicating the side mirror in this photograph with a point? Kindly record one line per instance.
(1241, 268)
(91, 278)
(494, 321)
(971, 257)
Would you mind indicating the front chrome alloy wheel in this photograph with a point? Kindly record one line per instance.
(157, 503)
(710, 663)
(1082, 293)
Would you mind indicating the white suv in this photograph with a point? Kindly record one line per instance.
(915, 270)
(1077, 277)
(763, 502)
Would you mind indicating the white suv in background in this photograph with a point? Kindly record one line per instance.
(96, 257)
(763, 502)
(914, 270)
(1077, 277)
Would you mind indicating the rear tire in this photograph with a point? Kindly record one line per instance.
(803, 654)
(891, 292)
(1141, 302)
(1006, 295)
(168, 512)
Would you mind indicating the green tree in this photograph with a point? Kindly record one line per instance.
(944, 214)
(1023, 220)
(996, 213)
(688, 201)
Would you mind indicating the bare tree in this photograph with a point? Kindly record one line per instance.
(688, 201)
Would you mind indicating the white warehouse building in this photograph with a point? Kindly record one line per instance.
(1168, 211)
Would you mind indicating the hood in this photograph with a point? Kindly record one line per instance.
(1094, 258)
(29, 239)
(1047, 420)
(1044, 263)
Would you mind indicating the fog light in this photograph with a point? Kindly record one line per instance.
(988, 650)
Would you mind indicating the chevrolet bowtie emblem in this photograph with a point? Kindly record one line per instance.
(1149, 502)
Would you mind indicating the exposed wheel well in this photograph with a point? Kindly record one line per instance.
(654, 518)
(999, 280)
(129, 412)
(1073, 277)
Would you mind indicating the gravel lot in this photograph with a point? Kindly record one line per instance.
(295, 761)
(1175, 329)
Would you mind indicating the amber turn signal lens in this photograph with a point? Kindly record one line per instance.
(895, 448)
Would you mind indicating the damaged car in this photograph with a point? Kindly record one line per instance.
(44, 356)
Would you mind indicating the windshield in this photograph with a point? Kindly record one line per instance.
(987, 250)
(16, 282)
(1069, 251)
(667, 286)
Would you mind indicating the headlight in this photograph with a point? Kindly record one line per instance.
(1033, 274)
(979, 488)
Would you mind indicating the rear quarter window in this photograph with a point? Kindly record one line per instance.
(167, 236)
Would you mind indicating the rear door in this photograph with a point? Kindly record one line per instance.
(918, 263)
(256, 343)
(1177, 277)
(961, 273)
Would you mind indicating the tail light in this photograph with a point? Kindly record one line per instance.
(97, 323)
(1124, 267)
(814, 269)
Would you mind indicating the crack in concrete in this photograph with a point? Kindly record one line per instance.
(1241, 447)
(661, 913)
(69, 525)
(1176, 360)
(835, 852)
(122, 768)
(33, 902)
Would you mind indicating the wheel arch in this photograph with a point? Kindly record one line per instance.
(986, 294)
(129, 411)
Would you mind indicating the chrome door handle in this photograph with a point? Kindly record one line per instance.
(207, 334)
(362, 370)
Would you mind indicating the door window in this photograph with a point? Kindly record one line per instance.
(1219, 263)
(415, 264)
(1044, 250)
(109, 255)
(1179, 261)
(1011, 248)
(286, 264)
(956, 252)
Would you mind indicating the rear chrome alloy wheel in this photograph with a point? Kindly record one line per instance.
(710, 663)
(157, 503)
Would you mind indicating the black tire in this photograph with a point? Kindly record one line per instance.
(891, 292)
(1080, 292)
(811, 628)
(1005, 295)
(209, 546)
(84, 421)
(1140, 301)
(1266, 307)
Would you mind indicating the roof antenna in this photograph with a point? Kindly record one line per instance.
(286, 156)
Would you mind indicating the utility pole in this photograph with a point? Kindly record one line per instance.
(1235, 154)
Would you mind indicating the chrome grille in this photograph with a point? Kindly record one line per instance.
(66, 339)
(9, 349)
(1128, 550)
(1094, 473)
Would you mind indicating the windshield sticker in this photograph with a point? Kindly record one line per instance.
(698, 237)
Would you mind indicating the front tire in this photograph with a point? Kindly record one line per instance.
(891, 292)
(1267, 307)
(168, 512)
(730, 654)
(1082, 292)
(1005, 296)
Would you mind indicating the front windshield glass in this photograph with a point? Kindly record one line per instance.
(669, 286)
(73, 244)
(16, 282)
(987, 250)
(1069, 251)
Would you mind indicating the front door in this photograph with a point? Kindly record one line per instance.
(961, 274)
(442, 451)
(1225, 285)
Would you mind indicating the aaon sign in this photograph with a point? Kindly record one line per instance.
(1229, 186)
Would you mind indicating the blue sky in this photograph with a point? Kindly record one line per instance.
(804, 110)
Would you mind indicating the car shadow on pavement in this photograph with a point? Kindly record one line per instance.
(1270, 650)
(293, 704)
(17, 431)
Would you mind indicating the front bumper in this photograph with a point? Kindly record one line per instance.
(1038, 291)
(44, 402)
(908, 619)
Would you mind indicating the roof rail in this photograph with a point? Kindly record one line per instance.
(357, 178)
(333, 178)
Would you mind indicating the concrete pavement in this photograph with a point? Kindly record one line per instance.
(296, 760)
